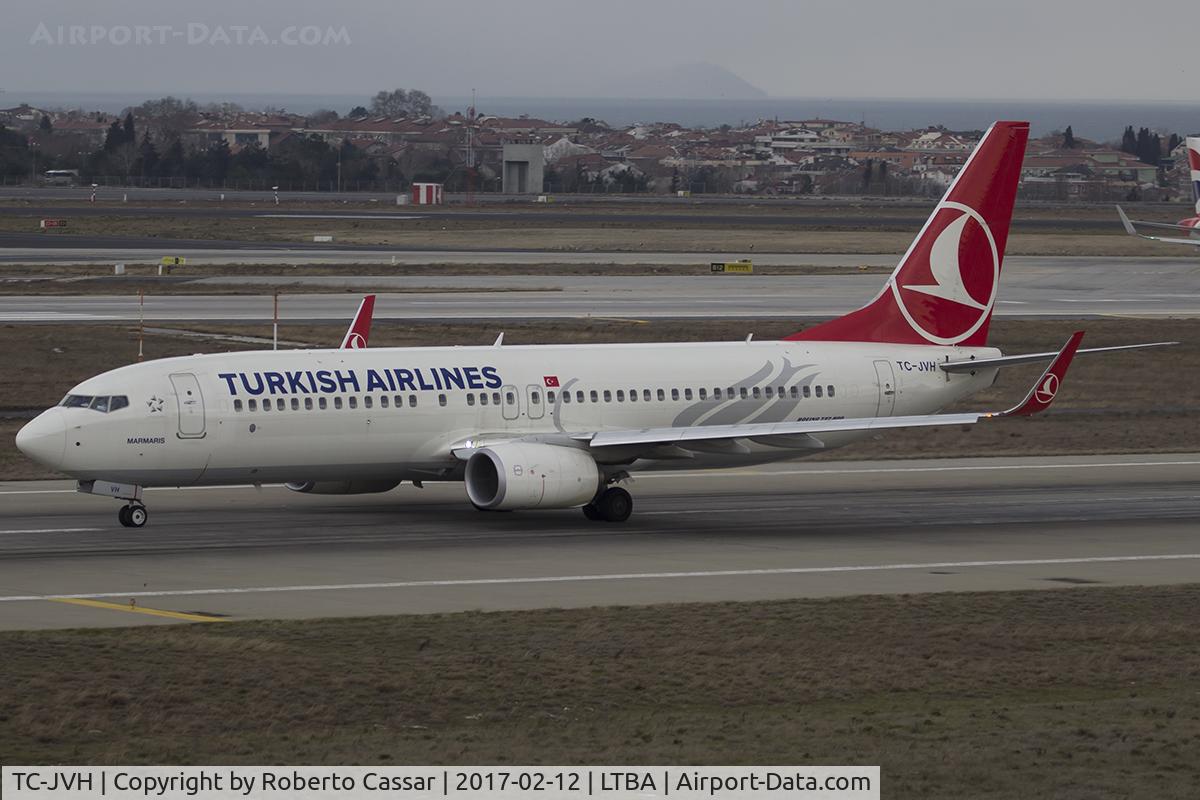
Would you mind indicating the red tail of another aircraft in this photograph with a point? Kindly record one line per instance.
(944, 289)
(360, 327)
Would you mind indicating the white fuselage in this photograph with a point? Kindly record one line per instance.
(399, 413)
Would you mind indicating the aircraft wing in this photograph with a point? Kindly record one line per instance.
(804, 434)
(1132, 231)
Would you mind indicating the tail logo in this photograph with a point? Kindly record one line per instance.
(944, 289)
(1045, 393)
(355, 341)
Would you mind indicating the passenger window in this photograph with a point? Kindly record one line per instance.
(566, 397)
(237, 405)
(807, 391)
(743, 392)
(662, 395)
(716, 393)
(646, 395)
(729, 393)
(412, 401)
(483, 398)
(295, 404)
(495, 398)
(674, 394)
(368, 401)
(535, 397)
(769, 392)
(633, 395)
(779, 391)
(703, 393)
(399, 401)
(322, 403)
(579, 397)
(337, 402)
(687, 394)
(266, 406)
(510, 398)
(117, 402)
(795, 392)
(470, 399)
(829, 389)
(308, 404)
(441, 399)
(818, 390)
(383, 401)
(757, 393)
(253, 404)
(595, 396)
(353, 402)
(620, 395)
(550, 398)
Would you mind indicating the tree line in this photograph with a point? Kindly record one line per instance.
(159, 152)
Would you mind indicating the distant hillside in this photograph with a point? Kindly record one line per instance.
(698, 81)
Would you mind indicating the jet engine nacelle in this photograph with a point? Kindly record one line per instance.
(519, 475)
(343, 487)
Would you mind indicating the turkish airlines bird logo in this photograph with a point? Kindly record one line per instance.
(947, 285)
(356, 341)
(1046, 391)
(947, 271)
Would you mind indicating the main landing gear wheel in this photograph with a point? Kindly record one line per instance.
(614, 505)
(133, 516)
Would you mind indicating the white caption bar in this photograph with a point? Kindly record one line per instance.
(458, 783)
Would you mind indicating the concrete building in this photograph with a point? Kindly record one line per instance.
(523, 165)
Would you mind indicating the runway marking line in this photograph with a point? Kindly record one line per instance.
(54, 530)
(619, 576)
(726, 473)
(136, 609)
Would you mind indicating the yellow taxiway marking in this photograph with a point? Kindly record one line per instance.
(136, 609)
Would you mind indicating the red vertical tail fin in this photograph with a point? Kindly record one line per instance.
(944, 289)
(360, 327)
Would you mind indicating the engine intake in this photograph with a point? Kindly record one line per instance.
(521, 475)
(343, 487)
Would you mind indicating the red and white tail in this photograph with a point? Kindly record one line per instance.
(944, 289)
(360, 328)
(1193, 154)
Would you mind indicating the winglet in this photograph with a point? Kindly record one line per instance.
(360, 327)
(1043, 392)
(1125, 221)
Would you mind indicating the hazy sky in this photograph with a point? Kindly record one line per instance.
(1036, 49)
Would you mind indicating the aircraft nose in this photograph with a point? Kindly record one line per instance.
(44, 438)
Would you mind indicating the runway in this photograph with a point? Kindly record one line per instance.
(794, 530)
(794, 215)
(1056, 287)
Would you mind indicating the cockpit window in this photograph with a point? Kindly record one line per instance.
(102, 403)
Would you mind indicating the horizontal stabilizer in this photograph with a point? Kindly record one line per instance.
(970, 365)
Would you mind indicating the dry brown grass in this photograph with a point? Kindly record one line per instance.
(1075, 693)
(853, 231)
(1113, 403)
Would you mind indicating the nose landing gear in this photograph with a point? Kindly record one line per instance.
(133, 515)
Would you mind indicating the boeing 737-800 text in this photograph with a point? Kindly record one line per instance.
(558, 426)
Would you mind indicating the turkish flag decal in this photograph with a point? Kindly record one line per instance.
(551, 381)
